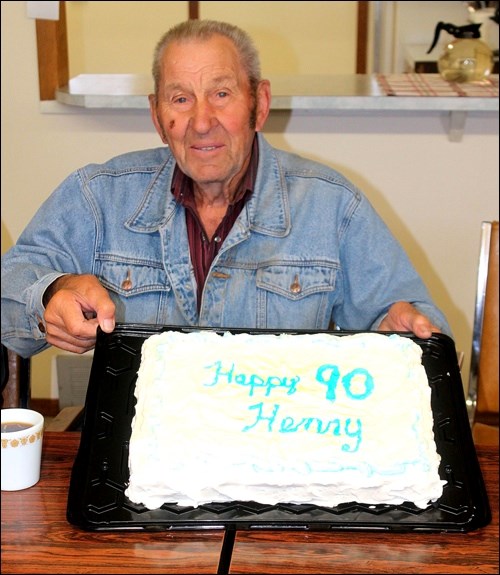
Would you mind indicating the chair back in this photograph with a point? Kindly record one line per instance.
(16, 379)
(482, 398)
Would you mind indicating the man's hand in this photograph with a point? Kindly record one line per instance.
(76, 305)
(402, 316)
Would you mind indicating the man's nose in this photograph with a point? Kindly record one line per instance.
(203, 116)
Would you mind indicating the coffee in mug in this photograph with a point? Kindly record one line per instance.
(10, 426)
(21, 441)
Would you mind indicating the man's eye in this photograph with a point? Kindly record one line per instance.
(180, 100)
(221, 94)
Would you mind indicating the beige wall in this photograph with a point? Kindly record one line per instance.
(299, 37)
(293, 37)
(117, 37)
(433, 193)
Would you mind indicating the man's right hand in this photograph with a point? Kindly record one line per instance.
(75, 305)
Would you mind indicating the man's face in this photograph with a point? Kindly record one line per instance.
(204, 110)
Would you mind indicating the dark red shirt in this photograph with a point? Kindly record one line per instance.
(203, 249)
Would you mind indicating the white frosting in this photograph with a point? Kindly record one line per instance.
(318, 419)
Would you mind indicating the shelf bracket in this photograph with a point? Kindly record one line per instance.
(457, 125)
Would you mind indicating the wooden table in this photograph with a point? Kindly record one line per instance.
(36, 538)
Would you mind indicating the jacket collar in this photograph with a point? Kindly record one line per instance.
(266, 212)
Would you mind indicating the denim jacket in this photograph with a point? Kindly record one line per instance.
(308, 251)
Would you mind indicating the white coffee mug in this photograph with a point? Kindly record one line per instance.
(22, 434)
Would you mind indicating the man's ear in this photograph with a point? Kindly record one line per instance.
(263, 104)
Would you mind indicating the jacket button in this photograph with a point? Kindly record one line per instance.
(295, 287)
(127, 282)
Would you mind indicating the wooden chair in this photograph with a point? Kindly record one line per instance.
(16, 380)
(482, 397)
(16, 392)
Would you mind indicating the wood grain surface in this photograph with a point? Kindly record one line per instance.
(36, 538)
(369, 552)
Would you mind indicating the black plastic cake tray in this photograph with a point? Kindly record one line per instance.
(96, 499)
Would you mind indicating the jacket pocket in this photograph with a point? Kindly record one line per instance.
(296, 282)
(130, 278)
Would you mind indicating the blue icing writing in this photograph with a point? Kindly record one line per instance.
(252, 381)
(329, 375)
(286, 424)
